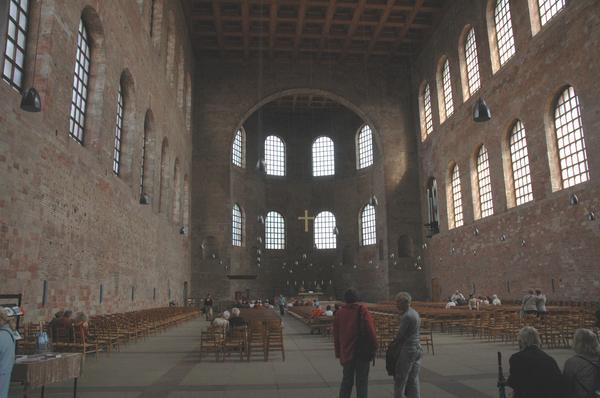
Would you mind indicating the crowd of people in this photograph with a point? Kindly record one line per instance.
(473, 302)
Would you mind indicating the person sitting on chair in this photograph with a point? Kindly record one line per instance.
(222, 320)
(236, 320)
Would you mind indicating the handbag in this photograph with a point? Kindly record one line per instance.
(364, 349)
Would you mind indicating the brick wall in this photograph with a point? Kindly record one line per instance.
(65, 218)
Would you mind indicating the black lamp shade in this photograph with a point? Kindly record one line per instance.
(481, 112)
(261, 167)
(31, 101)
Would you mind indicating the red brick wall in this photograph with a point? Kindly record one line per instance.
(65, 218)
(549, 243)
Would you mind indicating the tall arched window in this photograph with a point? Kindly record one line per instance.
(549, 8)
(16, 40)
(171, 49)
(237, 225)
(186, 204)
(274, 156)
(484, 183)
(456, 204)
(238, 153)
(432, 204)
(520, 164)
(274, 231)
(570, 139)
(176, 207)
(445, 88)
(368, 226)
(364, 147)
(325, 237)
(118, 132)
(472, 62)
(426, 112)
(162, 184)
(504, 32)
(147, 160)
(80, 84)
(323, 157)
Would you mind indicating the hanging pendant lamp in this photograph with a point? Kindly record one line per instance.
(481, 112)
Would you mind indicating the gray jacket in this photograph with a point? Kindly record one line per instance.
(580, 375)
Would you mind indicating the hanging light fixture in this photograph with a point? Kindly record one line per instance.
(261, 167)
(373, 201)
(481, 112)
(31, 101)
(335, 231)
(144, 199)
(261, 220)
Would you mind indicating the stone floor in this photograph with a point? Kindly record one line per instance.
(167, 366)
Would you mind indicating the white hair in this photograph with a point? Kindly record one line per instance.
(235, 311)
(404, 297)
(586, 343)
(226, 314)
(529, 336)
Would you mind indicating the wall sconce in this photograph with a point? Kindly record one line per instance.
(475, 231)
(481, 112)
(503, 237)
(373, 201)
(261, 167)
(591, 216)
(144, 199)
(183, 230)
(523, 243)
(573, 199)
(261, 220)
(336, 231)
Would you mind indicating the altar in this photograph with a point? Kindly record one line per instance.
(310, 295)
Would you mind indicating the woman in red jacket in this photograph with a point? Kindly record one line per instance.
(354, 354)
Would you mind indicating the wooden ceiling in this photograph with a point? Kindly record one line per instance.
(302, 103)
(316, 29)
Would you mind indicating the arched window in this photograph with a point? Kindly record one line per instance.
(432, 204)
(188, 102)
(237, 225)
(80, 84)
(147, 160)
(274, 231)
(549, 8)
(16, 40)
(484, 183)
(274, 156)
(171, 49)
(176, 207)
(238, 153)
(471, 62)
(570, 139)
(118, 132)
(323, 157)
(325, 237)
(368, 226)
(456, 204)
(162, 184)
(504, 32)
(186, 204)
(520, 164)
(426, 115)
(364, 147)
(445, 88)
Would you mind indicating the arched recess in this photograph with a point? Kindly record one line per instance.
(180, 79)
(129, 134)
(94, 128)
(156, 20)
(186, 203)
(148, 159)
(188, 102)
(176, 206)
(171, 49)
(162, 182)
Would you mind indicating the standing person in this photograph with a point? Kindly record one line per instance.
(7, 351)
(533, 373)
(208, 307)
(540, 303)
(408, 364)
(582, 371)
(529, 305)
(282, 303)
(354, 354)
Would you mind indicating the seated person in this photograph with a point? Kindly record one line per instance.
(81, 322)
(529, 304)
(582, 370)
(484, 300)
(52, 325)
(450, 303)
(222, 320)
(317, 312)
(533, 373)
(328, 311)
(236, 320)
(496, 300)
(64, 330)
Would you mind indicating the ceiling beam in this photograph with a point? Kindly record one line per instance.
(299, 26)
(382, 21)
(409, 21)
(340, 4)
(246, 26)
(327, 25)
(353, 25)
(216, 6)
(272, 25)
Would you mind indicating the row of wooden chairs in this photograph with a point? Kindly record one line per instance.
(386, 326)
(105, 332)
(256, 339)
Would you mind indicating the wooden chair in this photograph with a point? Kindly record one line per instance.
(257, 339)
(236, 341)
(211, 340)
(274, 337)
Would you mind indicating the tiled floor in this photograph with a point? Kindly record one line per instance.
(168, 366)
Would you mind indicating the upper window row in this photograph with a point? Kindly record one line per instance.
(570, 156)
(323, 153)
(502, 43)
(324, 233)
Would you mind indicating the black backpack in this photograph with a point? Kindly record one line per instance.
(391, 357)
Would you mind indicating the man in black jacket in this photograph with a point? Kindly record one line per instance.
(533, 373)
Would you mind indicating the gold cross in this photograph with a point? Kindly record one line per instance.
(306, 218)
